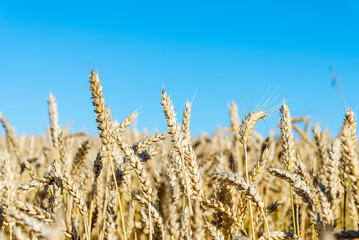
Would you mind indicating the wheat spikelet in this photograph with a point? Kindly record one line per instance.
(54, 121)
(193, 171)
(260, 165)
(149, 141)
(350, 159)
(127, 122)
(14, 142)
(333, 176)
(34, 184)
(175, 133)
(350, 122)
(301, 188)
(110, 226)
(103, 117)
(185, 230)
(186, 121)
(322, 153)
(34, 211)
(183, 148)
(68, 184)
(157, 219)
(287, 138)
(301, 170)
(220, 207)
(137, 167)
(11, 137)
(247, 187)
(79, 158)
(247, 125)
(30, 223)
(213, 231)
(326, 212)
(234, 120)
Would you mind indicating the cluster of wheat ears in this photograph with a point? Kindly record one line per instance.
(234, 184)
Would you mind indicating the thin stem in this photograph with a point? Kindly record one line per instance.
(86, 223)
(252, 223)
(297, 218)
(293, 210)
(302, 226)
(247, 178)
(344, 209)
(105, 205)
(10, 230)
(240, 157)
(91, 205)
(246, 161)
(183, 204)
(266, 223)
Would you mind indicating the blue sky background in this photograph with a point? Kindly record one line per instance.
(216, 52)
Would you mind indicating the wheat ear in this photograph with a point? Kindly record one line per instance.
(73, 190)
(246, 187)
(176, 137)
(14, 142)
(301, 188)
(104, 122)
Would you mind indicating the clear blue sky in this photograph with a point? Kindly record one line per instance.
(214, 52)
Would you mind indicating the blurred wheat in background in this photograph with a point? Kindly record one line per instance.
(234, 184)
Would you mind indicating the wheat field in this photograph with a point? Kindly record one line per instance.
(233, 184)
